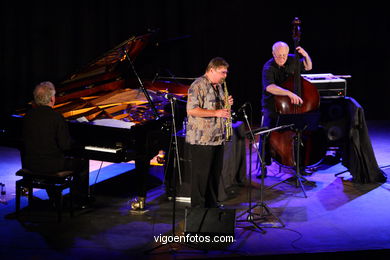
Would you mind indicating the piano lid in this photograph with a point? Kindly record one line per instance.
(103, 64)
(104, 90)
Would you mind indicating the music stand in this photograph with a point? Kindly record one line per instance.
(301, 122)
(263, 132)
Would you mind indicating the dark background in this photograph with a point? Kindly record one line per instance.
(47, 40)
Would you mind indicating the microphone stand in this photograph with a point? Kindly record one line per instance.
(262, 205)
(176, 162)
(300, 122)
(142, 85)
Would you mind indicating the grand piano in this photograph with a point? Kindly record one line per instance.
(113, 115)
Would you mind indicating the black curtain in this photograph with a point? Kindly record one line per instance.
(48, 40)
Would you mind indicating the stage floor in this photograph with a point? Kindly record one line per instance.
(337, 217)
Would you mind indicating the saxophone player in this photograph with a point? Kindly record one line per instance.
(207, 114)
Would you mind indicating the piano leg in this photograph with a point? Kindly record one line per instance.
(147, 147)
(142, 169)
(142, 165)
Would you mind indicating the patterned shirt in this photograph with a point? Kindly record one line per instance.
(205, 130)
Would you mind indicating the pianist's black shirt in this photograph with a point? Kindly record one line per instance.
(46, 139)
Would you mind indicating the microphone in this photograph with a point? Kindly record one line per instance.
(237, 114)
(166, 95)
(243, 107)
(169, 96)
(155, 77)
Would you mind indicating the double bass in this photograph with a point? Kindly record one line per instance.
(283, 144)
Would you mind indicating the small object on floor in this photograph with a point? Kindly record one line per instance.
(138, 203)
(306, 172)
(138, 206)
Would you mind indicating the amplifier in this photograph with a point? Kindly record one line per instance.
(328, 85)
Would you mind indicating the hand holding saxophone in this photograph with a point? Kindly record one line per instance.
(230, 100)
(224, 112)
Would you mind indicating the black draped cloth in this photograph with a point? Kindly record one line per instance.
(234, 163)
(358, 155)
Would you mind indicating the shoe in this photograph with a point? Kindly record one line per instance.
(83, 202)
(306, 173)
(220, 205)
(81, 206)
(265, 174)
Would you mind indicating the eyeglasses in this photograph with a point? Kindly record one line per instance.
(224, 72)
(280, 55)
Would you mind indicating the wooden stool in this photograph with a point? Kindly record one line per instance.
(57, 182)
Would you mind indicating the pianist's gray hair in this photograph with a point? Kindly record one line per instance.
(43, 93)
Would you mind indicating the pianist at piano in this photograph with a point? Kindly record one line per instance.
(46, 140)
(110, 111)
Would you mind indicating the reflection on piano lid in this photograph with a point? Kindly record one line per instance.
(103, 89)
(114, 123)
(103, 64)
(103, 149)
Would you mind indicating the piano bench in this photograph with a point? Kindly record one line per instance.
(57, 182)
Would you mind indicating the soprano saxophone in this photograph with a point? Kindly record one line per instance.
(228, 121)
